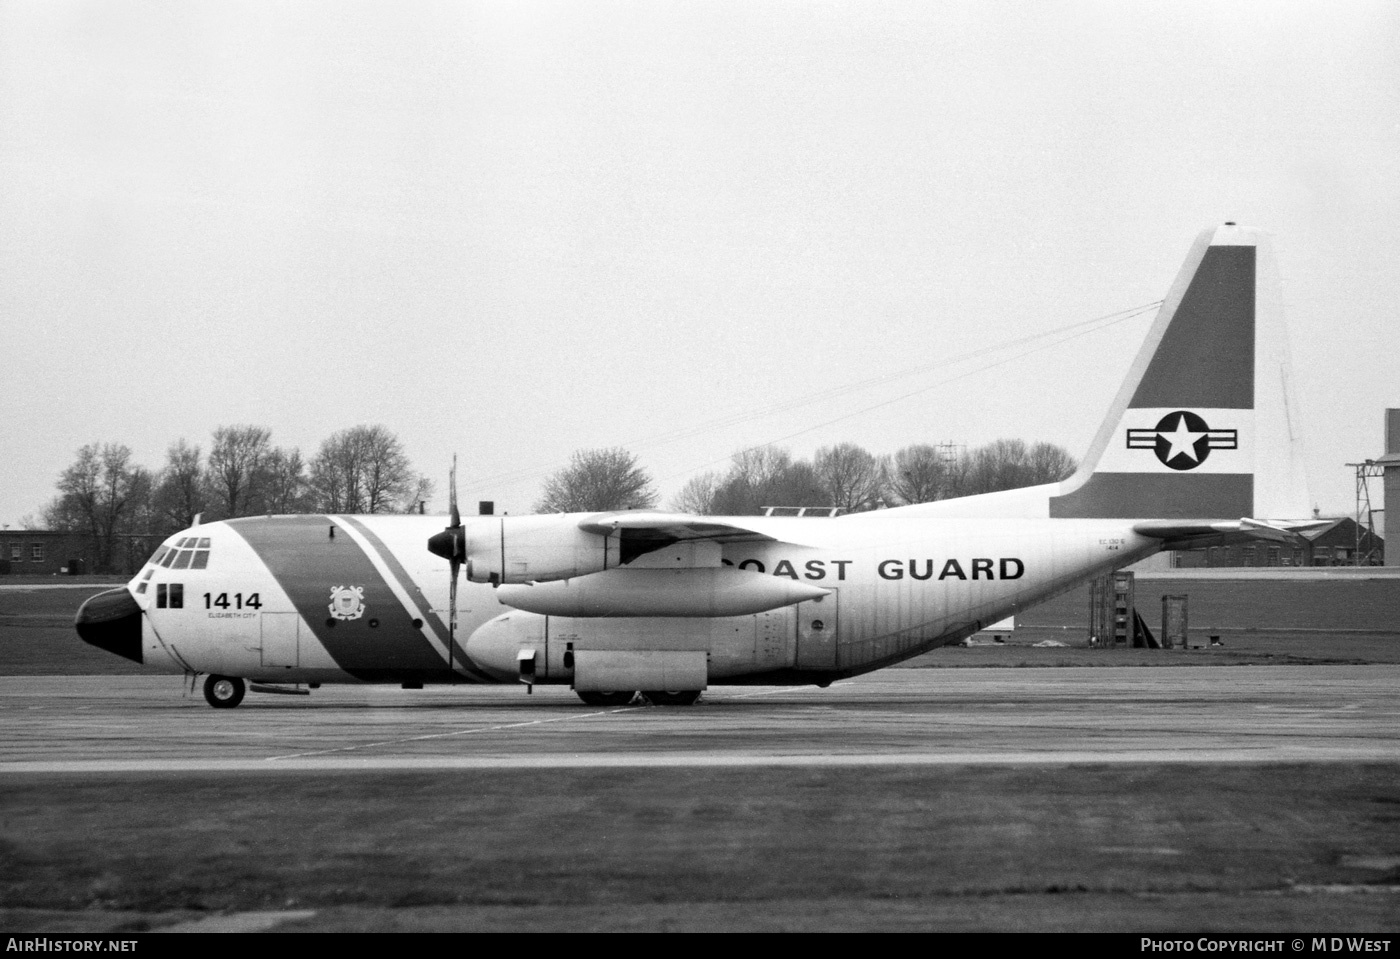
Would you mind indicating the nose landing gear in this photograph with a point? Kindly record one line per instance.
(224, 692)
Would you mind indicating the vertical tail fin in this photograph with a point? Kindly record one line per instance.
(1204, 425)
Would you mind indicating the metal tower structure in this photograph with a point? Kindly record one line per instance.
(1365, 472)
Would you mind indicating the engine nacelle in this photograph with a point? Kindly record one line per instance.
(523, 549)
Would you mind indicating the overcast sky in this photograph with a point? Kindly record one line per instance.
(513, 230)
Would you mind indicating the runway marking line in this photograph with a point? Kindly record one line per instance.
(488, 729)
(457, 732)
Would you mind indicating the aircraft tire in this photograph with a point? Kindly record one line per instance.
(662, 698)
(606, 699)
(224, 692)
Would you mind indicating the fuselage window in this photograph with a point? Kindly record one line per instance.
(177, 595)
(161, 595)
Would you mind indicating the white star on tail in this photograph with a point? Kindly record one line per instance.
(1183, 440)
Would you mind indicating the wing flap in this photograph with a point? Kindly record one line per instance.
(681, 527)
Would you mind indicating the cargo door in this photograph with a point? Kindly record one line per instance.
(816, 632)
(281, 639)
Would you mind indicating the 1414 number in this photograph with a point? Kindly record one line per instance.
(222, 601)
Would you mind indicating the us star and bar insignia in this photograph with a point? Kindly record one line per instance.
(1182, 440)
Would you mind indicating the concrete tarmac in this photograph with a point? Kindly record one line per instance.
(1239, 714)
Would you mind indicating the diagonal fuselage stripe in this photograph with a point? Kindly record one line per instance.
(378, 646)
(411, 595)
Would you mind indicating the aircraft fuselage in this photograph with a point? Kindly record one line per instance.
(325, 599)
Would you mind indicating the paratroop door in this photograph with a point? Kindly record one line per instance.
(816, 632)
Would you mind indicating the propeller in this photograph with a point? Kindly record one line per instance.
(451, 545)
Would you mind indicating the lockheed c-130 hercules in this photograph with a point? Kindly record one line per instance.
(1199, 447)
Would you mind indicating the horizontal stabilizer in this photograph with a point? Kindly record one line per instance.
(1187, 534)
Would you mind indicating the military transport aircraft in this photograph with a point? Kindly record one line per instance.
(1199, 447)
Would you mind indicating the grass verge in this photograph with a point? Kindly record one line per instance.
(938, 846)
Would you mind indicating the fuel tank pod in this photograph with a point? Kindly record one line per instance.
(687, 592)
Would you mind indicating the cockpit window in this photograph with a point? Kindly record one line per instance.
(188, 552)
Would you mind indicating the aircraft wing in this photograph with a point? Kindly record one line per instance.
(681, 527)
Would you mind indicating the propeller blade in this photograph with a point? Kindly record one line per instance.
(451, 545)
(452, 604)
(457, 550)
(452, 495)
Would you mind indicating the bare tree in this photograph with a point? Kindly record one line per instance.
(181, 489)
(419, 495)
(798, 485)
(235, 461)
(1051, 463)
(919, 475)
(767, 476)
(281, 482)
(853, 478)
(335, 476)
(759, 466)
(388, 474)
(1000, 465)
(958, 481)
(1011, 464)
(361, 470)
(99, 495)
(698, 494)
(601, 479)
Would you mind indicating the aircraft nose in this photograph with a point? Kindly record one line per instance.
(111, 620)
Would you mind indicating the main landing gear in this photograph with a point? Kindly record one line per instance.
(656, 697)
(607, 699)
(683, 698)
(224, 692)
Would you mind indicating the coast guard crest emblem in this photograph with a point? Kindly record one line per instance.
(347, 602)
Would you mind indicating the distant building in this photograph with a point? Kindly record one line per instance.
(1336, 544)
(45, 552)
(42, 552)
